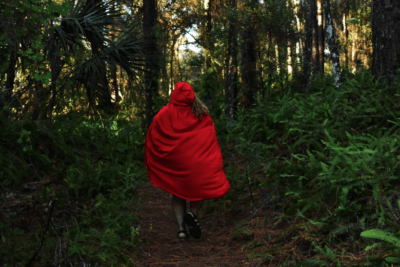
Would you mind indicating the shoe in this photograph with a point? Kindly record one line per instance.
(181, 237)
(194, 226)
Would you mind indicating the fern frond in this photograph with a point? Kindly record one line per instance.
(382, 235)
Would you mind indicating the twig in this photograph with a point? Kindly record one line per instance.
(51, 205)
(64, 251)
(248, 182)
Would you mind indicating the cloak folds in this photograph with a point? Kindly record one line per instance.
(182, 154)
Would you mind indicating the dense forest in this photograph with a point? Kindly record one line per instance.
(304, 95)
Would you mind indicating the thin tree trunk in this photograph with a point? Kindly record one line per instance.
(293, 56)
(260, 69)
(152, 67)
(208, 98)
(308, 45)
(29, 88)
(331, 31)
(10, 78)
(346, 40)
(114, 68)
(231, 66)
(315, 52)
(228, 79)
(171, 68)
(11, 74)
(249, 62)
(290, 43)
(115, 82)
(105, 101)
(297, 43)
(208, 29)
(272, 65)
(38, 97)
(234, 68)
(56, 66)
(164, 73)
(321, 37)
(179, 66)
(280, 64)
(353, 48)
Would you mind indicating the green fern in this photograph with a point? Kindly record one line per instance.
(388, 237)
(383, 235)
(327, 253)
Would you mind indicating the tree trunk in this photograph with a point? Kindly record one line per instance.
(293, 56)
(271, 61)
(152, 70)
(10, 79)
(234, 68)
(164, 73)
(331, 31)
(297, 38)
(321, 37)
(290, 43)
(39, 94)
(385, 38)
(315, 38)
(179, 66)
(114, 68)
(115, 82)
(260, 69)
(231, 71)
(171, 67)
(208, 98)
(208, 29)
(308, 45)
(56, 66)
(346, 42)
(249, 62)
(280, 64)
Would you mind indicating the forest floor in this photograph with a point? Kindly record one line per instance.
(160, 245)
(234, 232)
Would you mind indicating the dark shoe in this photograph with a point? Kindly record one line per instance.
(194, 226)
(183, 237)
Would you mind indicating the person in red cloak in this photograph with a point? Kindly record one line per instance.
(183, 157)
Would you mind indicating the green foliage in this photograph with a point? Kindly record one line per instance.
(383, 235)
(392, 254)
(95, 166)
(331, 156)
(69, 46)
(328, 253)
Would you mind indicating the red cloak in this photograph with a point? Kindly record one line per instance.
(182, 154)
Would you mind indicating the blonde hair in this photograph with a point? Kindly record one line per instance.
(199, 108)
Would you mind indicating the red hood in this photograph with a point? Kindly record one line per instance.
(183, 94)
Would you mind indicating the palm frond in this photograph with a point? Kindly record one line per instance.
(91, 74)
(95, 21)
(91, 20)
(127, 51)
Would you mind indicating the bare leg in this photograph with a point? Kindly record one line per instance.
(179, 207)
(196, 205)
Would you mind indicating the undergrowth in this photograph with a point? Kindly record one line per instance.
(69, 194)
(331, 158)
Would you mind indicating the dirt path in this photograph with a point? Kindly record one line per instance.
(161, 247)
